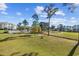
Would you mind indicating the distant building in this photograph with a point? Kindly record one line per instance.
(8, 26)
(76, 28)
(68, 28)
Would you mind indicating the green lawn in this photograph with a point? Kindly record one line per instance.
(2, 31)
(72, 35)
(5, 35)
(48, 46)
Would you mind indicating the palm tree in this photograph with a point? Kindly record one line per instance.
(50, 10)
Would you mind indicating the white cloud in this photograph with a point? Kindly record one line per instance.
(60, 13)
(57, 21)
(3, 6)
(39, 9)
(19, 13)
(44, 15)
(76, 4)
(73, 21)
(72, 18)
(63, 21)
(4, 13)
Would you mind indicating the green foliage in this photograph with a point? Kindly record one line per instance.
(35, 26)
(60, 27)
(36, 29)
(52, 27)
(52, 12)
(35, 17)
(19, 24)
(3, 31)
(25, 22)
(44, 26)
(21, 28)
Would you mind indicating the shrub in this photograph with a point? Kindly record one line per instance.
(36, 30)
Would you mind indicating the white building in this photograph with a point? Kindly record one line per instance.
(6, 25)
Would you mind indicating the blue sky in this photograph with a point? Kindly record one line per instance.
(17, 12)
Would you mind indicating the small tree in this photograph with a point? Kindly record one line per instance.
(19, 24)
(60, 27)
(25, 23)
(52, 27)
(44, 26)
(35, 26)
(21, 28)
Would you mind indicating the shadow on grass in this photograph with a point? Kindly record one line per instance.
(12, 38)
(14, 53)
(30, 54)
(1, 55)
(25, 36)
(62, 37)
(71, 53)
(25, 54)
(6, 39)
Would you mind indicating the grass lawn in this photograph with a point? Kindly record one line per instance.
(3, 36)
(48, 46)
(2, 31)
(72, 35)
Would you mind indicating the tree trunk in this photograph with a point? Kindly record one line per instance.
(49, 27)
